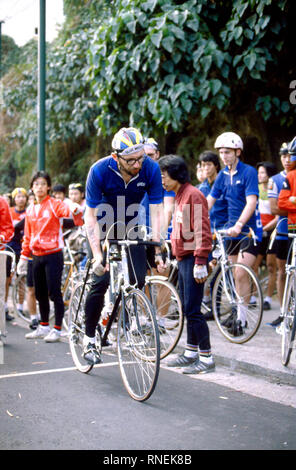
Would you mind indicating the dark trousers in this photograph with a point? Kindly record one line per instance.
(191, 294)
(47, 277)
(95, 299)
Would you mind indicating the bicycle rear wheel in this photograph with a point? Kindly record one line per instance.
(19, 296)
(230, 305)
(77, 329)
(168, 309)
(288, 325)
(138, 345)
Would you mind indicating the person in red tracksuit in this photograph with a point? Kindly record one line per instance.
(6, 234)
(43, 241)
(191, 244)
(287, 196)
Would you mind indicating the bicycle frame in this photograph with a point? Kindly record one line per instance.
(290, 268)
(3, 320)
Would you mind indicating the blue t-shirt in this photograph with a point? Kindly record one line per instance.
(118, 201)
(218, 213)
(275, 184)
(235, 188)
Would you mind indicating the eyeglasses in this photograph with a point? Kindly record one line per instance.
(132, 161)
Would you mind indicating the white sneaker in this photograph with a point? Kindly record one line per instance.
(53, 336)
(39, 333)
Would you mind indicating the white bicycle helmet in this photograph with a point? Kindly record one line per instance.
(229, 140)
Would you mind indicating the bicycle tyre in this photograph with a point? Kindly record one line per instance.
(19, 292)
(226, 301)
(288, 325)
(167, 305)
(138, 345)
(77, 330)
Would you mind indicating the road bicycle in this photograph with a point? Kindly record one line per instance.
(168, 308)
(236, 294)
(227, 302)
(287, 328)
(137, 337)
(19, 284)
(11, 254)
(72, 271)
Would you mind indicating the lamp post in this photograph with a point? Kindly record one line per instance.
(41, 85)
(1, 21)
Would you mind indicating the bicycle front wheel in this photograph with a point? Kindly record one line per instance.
(237, 295)
(288, 325)
(168, 309)
(77, 329)
(138, 345)
(19, 297)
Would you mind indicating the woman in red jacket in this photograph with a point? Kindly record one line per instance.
(6, 234)
(43, 241)
(191, 244)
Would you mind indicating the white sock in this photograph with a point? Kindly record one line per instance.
(88, 339)
(190, 353)
(206, 359)
(19, 307)
(267, 299)
(242, 313)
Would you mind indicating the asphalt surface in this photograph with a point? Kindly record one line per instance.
(47, 405)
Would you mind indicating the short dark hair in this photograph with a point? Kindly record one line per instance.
(176, 168)
(209, 156)
(270, 168)
(59, 187)
(41, 174)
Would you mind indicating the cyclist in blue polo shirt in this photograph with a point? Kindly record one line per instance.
(210, 165)
(281, 243)
(115, 187)
(151, 149)
(239, 184)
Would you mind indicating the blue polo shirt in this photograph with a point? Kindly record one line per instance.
(235, 188)
(275, 184)
(116, 200)
(218, 213)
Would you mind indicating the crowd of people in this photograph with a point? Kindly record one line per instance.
(135, 180)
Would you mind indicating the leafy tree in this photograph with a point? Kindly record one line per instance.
(157, 64)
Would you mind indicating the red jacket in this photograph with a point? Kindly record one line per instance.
(6, 225)
(289, 189)
(191, 225)
(43, 227)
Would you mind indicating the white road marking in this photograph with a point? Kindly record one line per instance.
(50, 371)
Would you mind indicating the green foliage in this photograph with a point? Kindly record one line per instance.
(10, 53)
(172, 68)
(156, 63)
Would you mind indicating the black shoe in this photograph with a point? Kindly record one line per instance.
(266, 305)
(8, 316)
(34, 324)
(228, 322)
(208, 316)
(236, 329)
(91, 354)
(276, 322)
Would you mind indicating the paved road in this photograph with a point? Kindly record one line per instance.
(46, 404)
